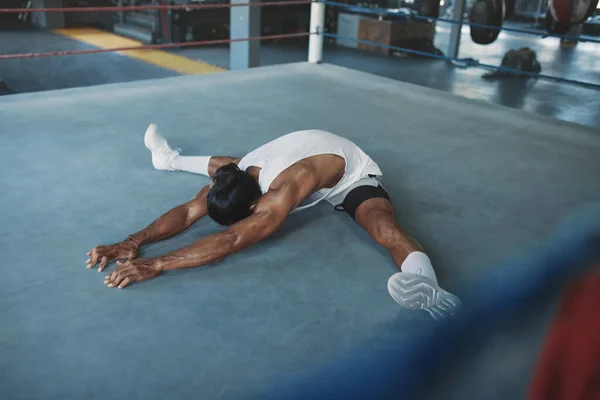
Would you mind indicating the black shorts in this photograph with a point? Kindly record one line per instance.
(359, 195)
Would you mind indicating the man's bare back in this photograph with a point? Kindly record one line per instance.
(307, 176)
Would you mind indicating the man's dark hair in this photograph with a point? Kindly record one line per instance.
(232, 195)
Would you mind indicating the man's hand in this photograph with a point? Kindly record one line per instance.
(127, 249)
(131, 271)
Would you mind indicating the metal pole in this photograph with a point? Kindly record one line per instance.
(120, 13)
(538, 13)
(454, 45)
(169, 30)
(317, 27)
(244, 23)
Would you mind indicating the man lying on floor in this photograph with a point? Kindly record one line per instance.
(254, 194)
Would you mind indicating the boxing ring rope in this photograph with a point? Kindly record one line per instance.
(362, 9)
(379, 11)
(316, 34)
(154, 7)
(151, 46)
(406, 366)
(469, 62)
(459, 62)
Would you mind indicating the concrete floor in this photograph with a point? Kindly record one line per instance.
(80, 175)
(39, 74)
(561, 101)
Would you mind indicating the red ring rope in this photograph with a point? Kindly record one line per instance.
(148, 47)
(155, 7)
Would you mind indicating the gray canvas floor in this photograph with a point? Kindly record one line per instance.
(476, 183)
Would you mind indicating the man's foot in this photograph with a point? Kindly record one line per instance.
(417, 292)
(162, 153)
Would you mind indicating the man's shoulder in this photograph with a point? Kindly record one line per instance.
(296, 175)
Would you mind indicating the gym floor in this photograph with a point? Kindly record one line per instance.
(558, 100)
(78, 174)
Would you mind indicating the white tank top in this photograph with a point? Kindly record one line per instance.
(276, 156)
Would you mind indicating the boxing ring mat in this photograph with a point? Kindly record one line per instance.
(475, 183)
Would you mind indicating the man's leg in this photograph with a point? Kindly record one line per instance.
(165, 158)
(416, 286)
(203, 165)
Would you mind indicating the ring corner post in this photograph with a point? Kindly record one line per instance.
(317, 27)
(244, 23)
(48, 20)
(455, 31)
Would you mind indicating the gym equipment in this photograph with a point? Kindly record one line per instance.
(555, 27)
(429, 8)
(572, 12)
(523, 59)
(510, 8)
(480, 32)
(490, 13)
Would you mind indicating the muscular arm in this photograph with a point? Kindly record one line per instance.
(181, 217)
(168, 225)
(269, 215)
(175, 220)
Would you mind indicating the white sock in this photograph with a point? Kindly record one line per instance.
(193, 164)
(420, 264)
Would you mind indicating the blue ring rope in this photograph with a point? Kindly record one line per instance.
(467, 62)
(406, 50)
(405, 364)
(379, 11)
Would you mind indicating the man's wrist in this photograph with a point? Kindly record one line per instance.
(160, 264)
(136, 242)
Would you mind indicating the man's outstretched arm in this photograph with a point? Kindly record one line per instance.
(168, 225)
(218, 246)
(269, 215)
(175, 220)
